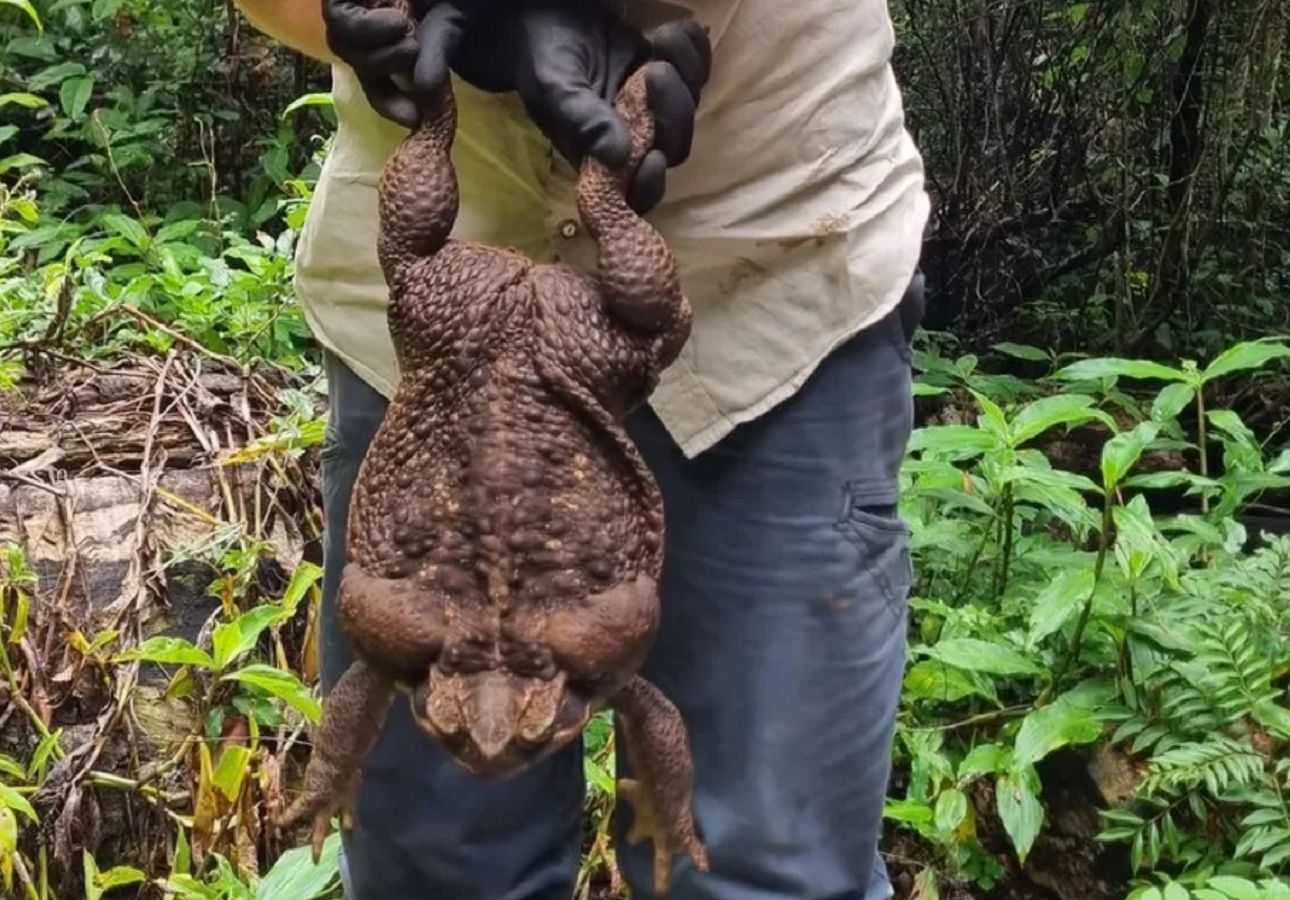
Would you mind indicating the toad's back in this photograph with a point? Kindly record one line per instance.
(498, 474)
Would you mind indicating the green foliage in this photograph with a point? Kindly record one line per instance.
(155, 170)
(1056, 612)
(108, 105)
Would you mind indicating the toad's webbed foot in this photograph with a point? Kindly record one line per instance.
(352, 717)
(662, 791)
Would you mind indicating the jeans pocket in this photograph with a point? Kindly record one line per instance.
(882, 539)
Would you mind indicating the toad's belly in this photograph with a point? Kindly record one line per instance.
(505, 496)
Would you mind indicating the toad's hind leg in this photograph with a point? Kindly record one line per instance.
(637, 270)
(400, 622)
(661, 794)
(353, 714)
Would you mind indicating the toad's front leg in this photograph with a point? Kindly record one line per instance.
(353, 714)
(662, 791)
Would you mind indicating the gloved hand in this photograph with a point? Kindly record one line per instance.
(567, 59)
(377, 44)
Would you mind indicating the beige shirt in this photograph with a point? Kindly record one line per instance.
(796, 222)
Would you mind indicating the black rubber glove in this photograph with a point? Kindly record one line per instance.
(567, 59)
(377, 45)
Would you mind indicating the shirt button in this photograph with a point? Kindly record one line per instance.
(568, 229)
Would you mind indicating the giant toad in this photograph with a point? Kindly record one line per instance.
(505, 537)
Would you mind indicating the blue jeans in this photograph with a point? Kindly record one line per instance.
(782, 643)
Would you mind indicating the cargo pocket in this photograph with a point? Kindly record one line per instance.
(881, 538)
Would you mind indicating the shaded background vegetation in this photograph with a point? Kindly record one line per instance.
(1108, 179)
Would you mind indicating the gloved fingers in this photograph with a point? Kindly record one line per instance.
(673, 108)
(686, 45)
(391, 59)
(360, 28)
(439, 35)
(579, 121)
(387, 99)
(649, 183)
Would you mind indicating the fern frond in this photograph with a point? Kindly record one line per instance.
(1220, 764)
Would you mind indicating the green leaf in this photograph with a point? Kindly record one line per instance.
(26, 7)
(1166, 480)
(8, 845)
(1022, 351)
(168, 651)
(1016, 799)
(1094, 369)
(16, 801)
(1236, 888)
(992, 418)
(953, 441)
(230, 772)
(1053, 726)
(232, 639)
(951, 809)
(985, 759)
(1244, 356)
(1058, 602)
(1049, 412)
(295, 877)
(20, 161)
(926, 886)
(304, 577)
(183, 862)
(91, 869)
(909, 811)
(127, 228)
(1122, 452)
(74, 95)
(1175, 891)
(1172, 400)
(923, 389)
(118, 876)
(930, 679)
(11, 767)
(975, 655)
(317, 99)
(280, 684)
(1274, 717)
(30, 101)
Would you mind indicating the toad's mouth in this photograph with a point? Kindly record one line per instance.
(497, 724)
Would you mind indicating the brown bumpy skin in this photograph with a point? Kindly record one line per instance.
(505, 537)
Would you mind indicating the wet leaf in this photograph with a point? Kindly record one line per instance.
(931, 679)
(8, 845)
(1245, 356)
(975, 655)
(1122, 452)
(295, 877)
(280, 684)
(1093, 369)
(1047, 413)
(1017, 801)
(168, 651)
(1054, 726)
(74, 94)
(231, 771)
(205, 807)
(1172, 400)
(13, 800)
(951, 809)
(1058, 602)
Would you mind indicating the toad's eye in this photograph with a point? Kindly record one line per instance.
(530, 660)
(467, 657)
